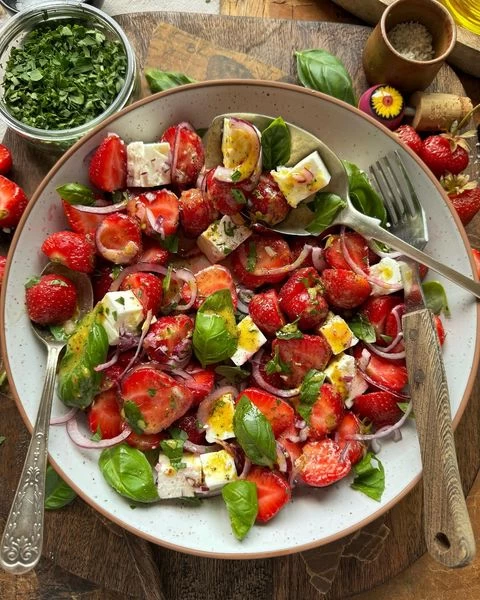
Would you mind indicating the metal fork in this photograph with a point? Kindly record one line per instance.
(448, 531)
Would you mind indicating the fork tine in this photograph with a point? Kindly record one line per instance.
(399, 185)
(391, 206)
(396, 159)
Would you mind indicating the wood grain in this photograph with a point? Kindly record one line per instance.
(97, 554)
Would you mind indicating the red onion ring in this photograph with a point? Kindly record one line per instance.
(197, 448)
(265, 385)
(384, 388)
(80, 440)
(247, 465)
(317, 259)
(384, 353)
(102, 210)
(109, 363)
(384, 431)
(155, 223)
(133, 360)
(279, 270)
(64, 418)
(205, 407)
(372, 244)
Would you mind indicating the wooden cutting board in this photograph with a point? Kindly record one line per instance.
(83, 551)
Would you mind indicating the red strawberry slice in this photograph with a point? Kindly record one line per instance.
(273, 492)
(345, 289)
(157, 211)
(51, 300)
(13, 202)
(104, 414)
(327, 412)
(410, 137)
(389, 373)
(357, 248)
(153, 252)
(321, 463)
(188, 154)
(5, 160)
(169, 340)
(377, 309)
(265, 312)
(381, 408)
(196, 212)
(147, 287)
(145, 441)
(74, 250)
(189, 423)
(350, 425)
(279, 413)
(301, 297)
(267, 203)
(201, 383)
(108, 166)
(81, 221)
(294, 449)
(299, 355)
(119, 239)
(211, 280)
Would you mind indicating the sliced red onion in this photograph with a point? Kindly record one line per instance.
(376, 446)
(385, 388)
(145, 328)
(279, 270)
(102, 210)
(247, 465)
(303, 176)
(304, 433)
(373, 245)
(155, 223)
(80, 440)
(64, 418)
(183, 374)
(318, 259)
(205, 407)
(281, 458)
(197, 448)
(364, 359)
(109, 363)
(384, 431)
(265, 385)
(227, 174)
(188, 277)
(384, 354)
(201, 182)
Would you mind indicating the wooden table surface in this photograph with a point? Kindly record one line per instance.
(423, 579)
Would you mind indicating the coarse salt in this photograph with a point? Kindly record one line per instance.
(412, 40)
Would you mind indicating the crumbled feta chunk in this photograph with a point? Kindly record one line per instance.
(250, 340)
(148, 165)
(222, 237)
(304, 179)
(340, 372)
(218, 469)
(121, 312)
(387, 270)
(173, 483)
(219, 425)
(338, 334)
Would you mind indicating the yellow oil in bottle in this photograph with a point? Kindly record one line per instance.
(465, 12)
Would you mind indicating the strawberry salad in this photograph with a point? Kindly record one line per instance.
(221, 357)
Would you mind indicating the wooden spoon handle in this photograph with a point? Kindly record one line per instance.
(448, 531)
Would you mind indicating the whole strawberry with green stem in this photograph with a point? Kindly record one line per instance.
(464, 194)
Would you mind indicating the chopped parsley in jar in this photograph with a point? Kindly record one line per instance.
(63, 76)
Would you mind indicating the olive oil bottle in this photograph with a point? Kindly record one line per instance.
(465, 12)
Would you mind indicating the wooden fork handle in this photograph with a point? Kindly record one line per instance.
(448, 531)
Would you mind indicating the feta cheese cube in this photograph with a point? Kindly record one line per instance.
(218, 469)
(340, 372)
(121, 312)
(172, 483)
(304, 179)
(387, 270)
(223, 237)
(338, 334)
(250, 340)
(219, 425)
(148, 165)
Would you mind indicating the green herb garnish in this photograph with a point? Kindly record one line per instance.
(309, 392)
(254, 433)
(241, 500)
(369, 477)
(158, 81)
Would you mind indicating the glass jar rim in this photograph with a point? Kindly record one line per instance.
(64, 10)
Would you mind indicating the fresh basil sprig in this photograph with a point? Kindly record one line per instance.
(436, 297)
(290, 331)
(276, 144)
(76, 193)
(309, 392)
(57, 493)
(363, 329)
(319, 70)
(215, 334)
(129, 473)
(242, 504)
(173, 448)
(158, 80)
(369, 477)
(254, 433)
(363, 196)
(326, 207)
(134, 417)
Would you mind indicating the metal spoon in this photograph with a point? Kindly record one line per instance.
(303, 143)
(21, 545)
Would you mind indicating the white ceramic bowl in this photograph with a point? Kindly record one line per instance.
(315, 516)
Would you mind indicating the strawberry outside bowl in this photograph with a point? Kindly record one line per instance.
(315, 516)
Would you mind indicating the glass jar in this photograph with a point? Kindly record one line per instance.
(465, 12)
(13, 34)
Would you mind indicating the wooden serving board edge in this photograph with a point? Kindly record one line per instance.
(465, 55)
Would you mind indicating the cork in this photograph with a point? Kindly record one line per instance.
(437, 111)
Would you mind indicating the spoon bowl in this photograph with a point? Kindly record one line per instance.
(21, 545)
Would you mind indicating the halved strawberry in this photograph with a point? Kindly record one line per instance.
(13, 202)
(381, 408)
(376, 309)
(294, 449)
(210, 280)
(145, 441)
(327, 412)
(299, 355)
(169, 340)
(74, 250)
(266, 202)
(157, 212)
(321, 463)
(357, 248)
(108, 166)
(153, 252)
(273, 492)
(196, 212)
(350, 425)
(189, 153)
(147, 287)
(265, 312)
(5, 160)
(201, 383)
(278, 413)
(301, 298)
(345, 289)
(389, 373)
(189, 423)
(104, 414)
(81, 221)
(119, 239)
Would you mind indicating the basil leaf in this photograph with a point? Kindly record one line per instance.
(252, 257)
(290, 331)
(276, 144)
(134, 416)
(369, 477)
(363, 329)
(326, 207)
(215, 334)
(169, 242)
(276, 364)
(319, 70)
(57, 493)
(239, 198)
(128, 472)
(363, 196)
(254, 433)
(76, 193)
(241, 500)
(158, 81)
(58, 332)
(173, 450)
(232, 374)
(309, 392)
(436, 297)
